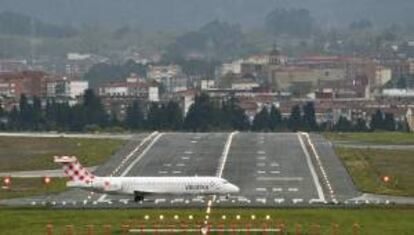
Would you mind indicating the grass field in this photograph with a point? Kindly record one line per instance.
(27, 153)
(371, 220)
(397, 138)
(25, 187)
(367, 166)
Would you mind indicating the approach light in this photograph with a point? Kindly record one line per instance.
(386, 179)
(47, 180)
(7, 180)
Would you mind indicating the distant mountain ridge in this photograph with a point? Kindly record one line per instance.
(190, 14)
(18, 24)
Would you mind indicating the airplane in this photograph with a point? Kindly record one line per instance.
(140, 187)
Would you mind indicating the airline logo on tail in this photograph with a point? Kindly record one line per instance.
(73, 169)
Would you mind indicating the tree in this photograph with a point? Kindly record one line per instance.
(154, 116)
(214, 40)
(233, 117)
(275, 119)
(295, 119)
(360, 125)
(377, 120)
(309, 119)
(134, 118)
(201, 115)
(389, 122)
(93, 110)
(343, 125)
(262, 120)
(173, 115)
(293, 22)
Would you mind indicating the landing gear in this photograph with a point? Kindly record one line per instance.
(227, 196)
(138, 197)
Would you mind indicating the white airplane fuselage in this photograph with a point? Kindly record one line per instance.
(158, 185)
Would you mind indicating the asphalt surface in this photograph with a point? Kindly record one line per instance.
(271, 169)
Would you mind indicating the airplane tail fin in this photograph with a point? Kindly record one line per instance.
(73, 169)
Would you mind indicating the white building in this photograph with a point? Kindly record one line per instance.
(233, 67)
(244, 84)
(114, 89)
(168, 71)
(66, 88)
(398, 92)
(153, 94)
(382, 75)
(207, 84)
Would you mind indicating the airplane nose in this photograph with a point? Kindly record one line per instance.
(234, 189)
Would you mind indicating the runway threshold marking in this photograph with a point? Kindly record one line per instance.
(312, 169)
(219, 173)
(142, 154)
(126, 171)
(279, 178)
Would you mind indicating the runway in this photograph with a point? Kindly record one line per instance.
(271, 169)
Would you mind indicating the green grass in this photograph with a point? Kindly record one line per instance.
(27, 153)
(396, 138)
(367, 166)
(25, 187)
(371, 220)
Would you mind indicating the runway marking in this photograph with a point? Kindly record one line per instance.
(220, 170)
(312, 169)
(127, 157)
(261, 172)
(185, 158)
(261, 152)
(274, 172)
(297, 200)
(188, 152)
(261, 164)
(194, 141)
(142, 154)
(261, 189)
(274, 164)
(293, 189)
(277, 189)
(180, 164)
(262, 200)
(176, 172)
(160, 200)
(279, 200)
(158, 135)
(225, 154)
(177, 200)
(261, 158)
(167, 164)
(162, 172)
(279, 178)
(318, 160)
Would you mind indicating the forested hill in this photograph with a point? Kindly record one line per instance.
(190, 14)
(18, 24)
